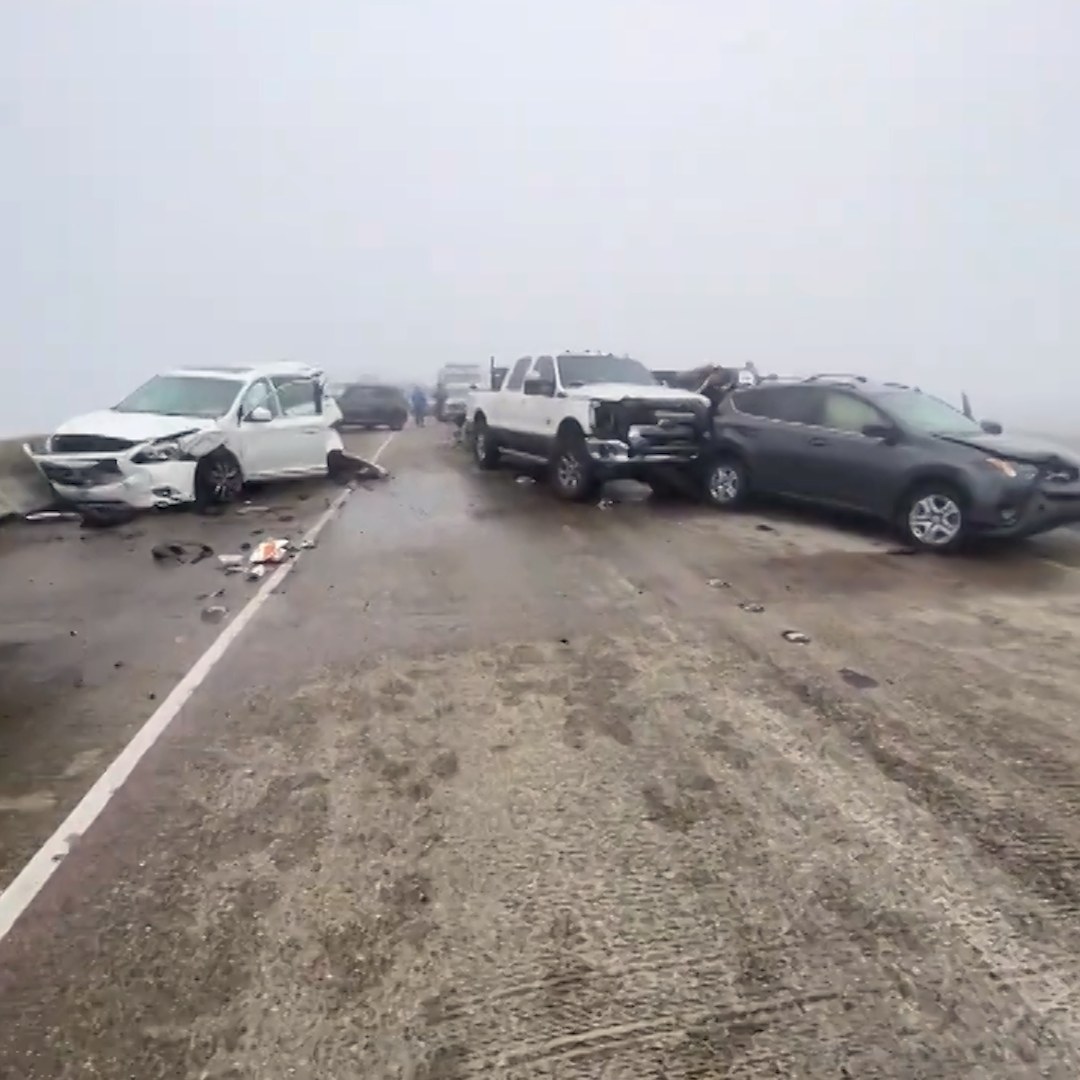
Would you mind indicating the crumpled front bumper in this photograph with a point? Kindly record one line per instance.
(103, 480)
(645, 445)
(1039, 509)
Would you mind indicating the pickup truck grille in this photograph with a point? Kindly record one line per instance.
(652, 427)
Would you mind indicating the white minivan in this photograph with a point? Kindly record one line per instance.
(194, 435)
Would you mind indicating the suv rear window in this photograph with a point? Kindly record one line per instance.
(380, 393)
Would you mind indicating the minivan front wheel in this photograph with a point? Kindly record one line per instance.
(219, 479)
(932, 518)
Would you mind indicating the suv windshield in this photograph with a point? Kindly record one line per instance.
(183, 395)
(927, 414)
(583, 370)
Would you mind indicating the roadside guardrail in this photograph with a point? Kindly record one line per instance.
(23, 489)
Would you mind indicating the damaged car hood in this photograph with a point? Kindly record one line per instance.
(622, 391)
(1030, 449)
(138, 427)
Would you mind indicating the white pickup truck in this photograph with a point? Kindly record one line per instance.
(589, 417)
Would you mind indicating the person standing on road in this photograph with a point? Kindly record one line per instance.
(419, 406)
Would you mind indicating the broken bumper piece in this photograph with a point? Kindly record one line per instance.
(343, 466)
(96, 480)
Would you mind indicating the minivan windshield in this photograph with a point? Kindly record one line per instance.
(588, 369)
(927, 414)
(183, 395)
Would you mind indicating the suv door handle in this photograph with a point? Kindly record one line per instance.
(818, 440)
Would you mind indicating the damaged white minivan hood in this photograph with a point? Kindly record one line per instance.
(137, 427)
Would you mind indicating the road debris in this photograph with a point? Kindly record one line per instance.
(605, 504)
(181, 551)
(230, 560)
(902, 551)
(53, 515)
(524, 480)
(754, 609)
(718, 583)
(248, 508)
(215, 595)
(796, 637)
(307, 545)
(255, 572)
(214, 614)
(343, 467)
(762, 527)
(271, 551)
(106, 517)
(858, 679)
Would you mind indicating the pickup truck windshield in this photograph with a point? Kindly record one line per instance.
(928, 414)
(585, 370)
(183, 395)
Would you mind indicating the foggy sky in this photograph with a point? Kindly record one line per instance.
(382, 186)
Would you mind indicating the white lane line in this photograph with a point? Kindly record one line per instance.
(17, 897)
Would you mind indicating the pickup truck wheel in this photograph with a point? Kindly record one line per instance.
(485, 449)
(573, 477)
(218, 479)
(932, 517)
(724, 483)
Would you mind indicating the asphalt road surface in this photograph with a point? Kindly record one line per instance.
(498, 787)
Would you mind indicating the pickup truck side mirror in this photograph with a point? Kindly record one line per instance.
(535, 387)
(259, 415)
(885, 432)
(991, 427)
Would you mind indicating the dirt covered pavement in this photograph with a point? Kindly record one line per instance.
(497, 787)
(94, 633)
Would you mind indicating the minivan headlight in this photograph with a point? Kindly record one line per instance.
(168, 450)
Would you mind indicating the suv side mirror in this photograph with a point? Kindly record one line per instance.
(259, 415)
(885, 432)
(991, 427)
(535, 387)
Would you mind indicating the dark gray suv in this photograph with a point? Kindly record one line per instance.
(892, 452)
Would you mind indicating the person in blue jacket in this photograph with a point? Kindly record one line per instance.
(419, 406)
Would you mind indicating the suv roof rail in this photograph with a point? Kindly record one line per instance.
(840, 376)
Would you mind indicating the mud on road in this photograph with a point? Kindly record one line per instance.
(94, 633)
(503, 788)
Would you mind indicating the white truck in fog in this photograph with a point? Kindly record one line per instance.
(455, 382)
(589, 417)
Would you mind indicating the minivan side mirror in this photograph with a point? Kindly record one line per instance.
(991, 427)
(259, 415)
(535, 387)
(885, 432)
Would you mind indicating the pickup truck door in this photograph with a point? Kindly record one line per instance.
(540, 414)
(506, 407)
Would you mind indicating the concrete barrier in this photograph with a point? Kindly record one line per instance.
(22, 488)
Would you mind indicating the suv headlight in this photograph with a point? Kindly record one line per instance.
(1012, 469)
(166, 450)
